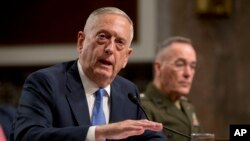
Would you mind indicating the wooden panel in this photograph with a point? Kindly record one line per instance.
(51, 21)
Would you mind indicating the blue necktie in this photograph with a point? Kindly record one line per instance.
(98, 116)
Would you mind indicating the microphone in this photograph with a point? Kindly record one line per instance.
(135, 100)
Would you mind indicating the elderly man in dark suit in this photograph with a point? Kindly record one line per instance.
(85, 99)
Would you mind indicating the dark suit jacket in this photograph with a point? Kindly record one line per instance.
(53, 106)
(7, 115)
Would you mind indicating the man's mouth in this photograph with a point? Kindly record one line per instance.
(184, 83)
(105, 62)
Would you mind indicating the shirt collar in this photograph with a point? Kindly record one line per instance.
(89, 86)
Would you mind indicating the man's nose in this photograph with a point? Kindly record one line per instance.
(187, 71)
(109, 49)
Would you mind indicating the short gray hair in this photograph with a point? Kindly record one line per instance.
(168, 42)
(108, 10)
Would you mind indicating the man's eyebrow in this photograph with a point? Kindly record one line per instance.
(102, 31)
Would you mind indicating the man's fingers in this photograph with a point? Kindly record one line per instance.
(126, 128)
(150, 125)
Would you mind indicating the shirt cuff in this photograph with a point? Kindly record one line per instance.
(91, 134)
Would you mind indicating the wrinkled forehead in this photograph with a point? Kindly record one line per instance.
(113, 16)
(106, 14)
(180, 50)
(109, 18)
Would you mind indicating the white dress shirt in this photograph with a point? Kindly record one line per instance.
(90, 88)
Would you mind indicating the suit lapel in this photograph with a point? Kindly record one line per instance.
(76, 96)
(116, 103)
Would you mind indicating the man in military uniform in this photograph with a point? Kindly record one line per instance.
(165, 99)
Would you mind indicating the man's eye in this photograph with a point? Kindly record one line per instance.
(101, 36)
(120, 44)
(179, 64)
(193, 66)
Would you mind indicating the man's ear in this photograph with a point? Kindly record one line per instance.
(157, 66)
(80, 40)
(129, 52)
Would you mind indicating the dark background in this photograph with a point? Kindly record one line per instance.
(51, 21)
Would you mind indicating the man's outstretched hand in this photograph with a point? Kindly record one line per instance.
(124, 129)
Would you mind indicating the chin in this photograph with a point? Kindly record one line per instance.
(184, 92)
(103, 72)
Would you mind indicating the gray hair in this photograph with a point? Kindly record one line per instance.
(168, 42)
(107, 10)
